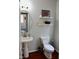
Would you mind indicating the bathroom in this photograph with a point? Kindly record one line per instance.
(37, 25)
(27, 33)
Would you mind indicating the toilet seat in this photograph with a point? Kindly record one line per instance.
(48, 48)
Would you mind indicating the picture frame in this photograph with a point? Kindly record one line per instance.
(45, 13)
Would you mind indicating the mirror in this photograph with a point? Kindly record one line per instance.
(24, 23)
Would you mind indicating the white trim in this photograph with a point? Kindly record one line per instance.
(32, 51)
(37, 50)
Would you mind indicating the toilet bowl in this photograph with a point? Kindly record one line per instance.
(47, 48)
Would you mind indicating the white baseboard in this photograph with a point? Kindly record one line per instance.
(37, 50)
(32, 51)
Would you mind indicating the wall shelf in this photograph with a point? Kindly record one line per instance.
(41, 23)
(43, 19)
(45, 24)
(46, 17)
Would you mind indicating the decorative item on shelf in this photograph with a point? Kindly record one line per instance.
(44, 23)
(45, 13)
(47, 22)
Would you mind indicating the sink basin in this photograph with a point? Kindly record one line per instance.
(26, 39)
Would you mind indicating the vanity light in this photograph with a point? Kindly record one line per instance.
(22, 6)
(26, 7)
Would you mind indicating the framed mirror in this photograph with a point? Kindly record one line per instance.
(24, 21)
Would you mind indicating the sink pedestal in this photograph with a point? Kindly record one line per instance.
(26, 40)
(26, 52)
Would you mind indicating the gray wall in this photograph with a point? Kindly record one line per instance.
(56, 28)
(36, 31)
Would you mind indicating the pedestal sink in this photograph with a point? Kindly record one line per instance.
(26, 40)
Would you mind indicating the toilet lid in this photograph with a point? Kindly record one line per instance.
(49, 48)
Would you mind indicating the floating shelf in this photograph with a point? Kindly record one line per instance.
(41, 21)
(45, 24)
(46, 17)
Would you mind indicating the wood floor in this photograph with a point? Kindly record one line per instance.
(40, 55)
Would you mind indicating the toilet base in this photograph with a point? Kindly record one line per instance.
(48, 54)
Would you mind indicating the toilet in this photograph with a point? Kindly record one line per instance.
(47, 48)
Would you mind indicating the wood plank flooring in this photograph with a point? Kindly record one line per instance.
(40, 55)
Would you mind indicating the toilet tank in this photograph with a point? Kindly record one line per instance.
(45, 39)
